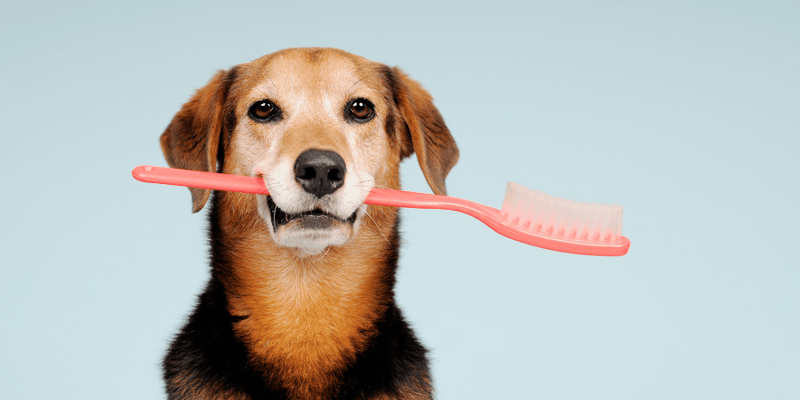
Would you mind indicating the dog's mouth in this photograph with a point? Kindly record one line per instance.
(312, 219)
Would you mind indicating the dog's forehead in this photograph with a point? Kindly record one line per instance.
(315, 72)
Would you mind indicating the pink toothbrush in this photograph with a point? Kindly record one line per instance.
(527, 216)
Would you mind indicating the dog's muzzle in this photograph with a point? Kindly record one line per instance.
(312, 217)
(320, 173)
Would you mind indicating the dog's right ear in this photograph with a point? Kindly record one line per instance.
(426, 133)
(192, 139)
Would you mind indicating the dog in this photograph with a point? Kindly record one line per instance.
(300, 303)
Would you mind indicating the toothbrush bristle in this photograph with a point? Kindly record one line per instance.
(557, 218)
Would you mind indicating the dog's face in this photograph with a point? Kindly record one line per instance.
(322, 128)
(310, 127)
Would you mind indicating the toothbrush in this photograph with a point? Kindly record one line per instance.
(527, 216)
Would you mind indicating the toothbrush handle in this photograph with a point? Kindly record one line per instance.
(405, 199)
(199, 179)
(247, 184)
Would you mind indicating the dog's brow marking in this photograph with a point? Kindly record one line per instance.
(266, 89)
(357, 81)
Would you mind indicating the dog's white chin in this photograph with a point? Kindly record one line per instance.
(311, 241)
(307, 240)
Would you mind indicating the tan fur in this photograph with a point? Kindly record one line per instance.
(307, 314)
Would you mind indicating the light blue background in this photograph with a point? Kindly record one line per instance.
(685, 112)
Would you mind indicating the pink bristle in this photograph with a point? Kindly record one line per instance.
(559, 218)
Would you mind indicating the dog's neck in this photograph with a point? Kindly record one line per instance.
(303, 318)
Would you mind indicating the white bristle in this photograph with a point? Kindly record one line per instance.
(550, 216)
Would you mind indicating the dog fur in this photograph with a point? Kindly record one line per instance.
(303, 307)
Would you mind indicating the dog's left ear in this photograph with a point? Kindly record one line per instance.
(436, 149)
(192, 139)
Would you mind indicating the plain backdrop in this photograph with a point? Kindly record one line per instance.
(685, 112)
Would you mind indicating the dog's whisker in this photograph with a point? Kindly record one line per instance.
(326, 253)
(366, 212)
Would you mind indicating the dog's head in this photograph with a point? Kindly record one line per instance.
(322, 127)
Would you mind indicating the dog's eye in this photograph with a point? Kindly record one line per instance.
(264, 111)
(360, 110)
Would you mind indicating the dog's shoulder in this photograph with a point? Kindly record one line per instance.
(205, 360)
(394, 365)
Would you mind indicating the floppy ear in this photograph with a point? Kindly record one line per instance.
(436, 149)
(192, 139)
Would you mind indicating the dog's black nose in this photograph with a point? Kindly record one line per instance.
(319, 172)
